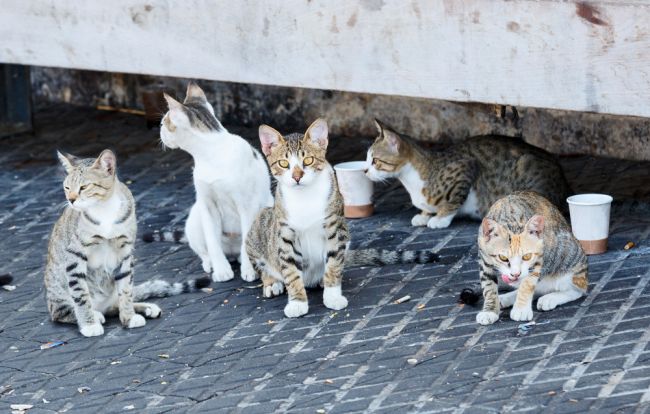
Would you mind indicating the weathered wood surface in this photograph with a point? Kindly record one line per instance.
(547, 53)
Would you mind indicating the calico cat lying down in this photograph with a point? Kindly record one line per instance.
(302, 241)
(525, 244)
(466, 178)
(89, 271)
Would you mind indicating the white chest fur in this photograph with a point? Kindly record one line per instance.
(306, 208)
(411, 180)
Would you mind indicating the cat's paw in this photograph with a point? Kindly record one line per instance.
(151, 311)
(95, 329)
(547, 303)
(333, 299)
(524, 313)
(487, 318)
(275, 289)
(420, 220)
(295, 308)
(247, 272)
(223, 273)
(136, 321)
(99, 317)
(436, 222)
(205, 263)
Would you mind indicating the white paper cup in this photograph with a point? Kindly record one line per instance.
(590, 220)
(355, 188)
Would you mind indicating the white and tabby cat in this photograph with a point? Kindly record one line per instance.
(231, 180)
(89, 271)
(302, 241)
(525, 244)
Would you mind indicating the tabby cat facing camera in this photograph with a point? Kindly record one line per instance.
(525, 244)
(466, 178)
(89, 271)
(302, 240)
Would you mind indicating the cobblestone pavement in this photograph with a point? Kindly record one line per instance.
(231, 351)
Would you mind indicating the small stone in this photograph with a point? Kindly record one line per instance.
(412, 361)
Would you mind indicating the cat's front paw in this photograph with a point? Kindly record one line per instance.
(95, 329)
(524, 313)
(333, 299)
(420, 220)
(99, 317)
(247, 272)
(296, 308)
(205, 264)
(151, 311)
(136, 321)
(436, 222)
(547, 303)
(275, 289)
(223, 273)
(487, 318)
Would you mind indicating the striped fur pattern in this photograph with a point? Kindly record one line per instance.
(302, 240)
(231, 180)
(89, 271)
(466, 178)
(526, 245)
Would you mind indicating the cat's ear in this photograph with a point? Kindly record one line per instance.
(535, 226)
(172, 103)
(194, 92)
(391, 137)
(317, 132)
(106, 162)
(489, 229)
(269, 138)
(68, 161)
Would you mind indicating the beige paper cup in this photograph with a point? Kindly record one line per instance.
(355, 188)
(590, 220)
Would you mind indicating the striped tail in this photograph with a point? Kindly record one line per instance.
(161, 289)
(176, 236)
(6, 279)
(379, 257)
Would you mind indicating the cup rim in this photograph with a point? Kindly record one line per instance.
(600, 199)
(350, 166)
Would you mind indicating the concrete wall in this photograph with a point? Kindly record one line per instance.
(350, 114)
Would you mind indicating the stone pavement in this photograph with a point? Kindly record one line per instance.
(231, 351)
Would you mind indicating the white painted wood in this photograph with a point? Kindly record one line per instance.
(520, 52)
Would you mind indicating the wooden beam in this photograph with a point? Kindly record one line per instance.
(591, 56)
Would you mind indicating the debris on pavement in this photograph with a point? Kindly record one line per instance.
(53, 344)
(81, 390)
(525, 328)
(163, 356)
(468, 297)
(403, 299)
(412, 361)
(421, 306)
(629, 245)
(20, 408)
(129, 407)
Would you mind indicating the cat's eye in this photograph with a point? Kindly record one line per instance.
(375, 161)
(503, 258)
(283, 163)
(66, 188)
(83, 187)
(527, 256)
(308, 161)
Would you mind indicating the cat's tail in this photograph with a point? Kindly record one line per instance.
(175, 236)
(6, 279)
(379, 257)
(161, 289)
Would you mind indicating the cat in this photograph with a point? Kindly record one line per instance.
(466, 178)
(302, 240)
(526, 243)
(89, 271)
(231, 180)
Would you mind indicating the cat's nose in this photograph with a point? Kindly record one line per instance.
(72, 197)
(515, 274)
(297, 178)
(365, 171)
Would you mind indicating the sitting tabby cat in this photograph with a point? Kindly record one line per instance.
(466, 178)
(526, 243)
(231, 180)
(89, 271)
(302, 240)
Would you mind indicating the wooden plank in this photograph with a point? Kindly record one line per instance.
(552, 54)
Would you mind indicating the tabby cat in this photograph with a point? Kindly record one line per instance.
(526, 244)
(302, 240)
(89, 271)
(466, 178)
